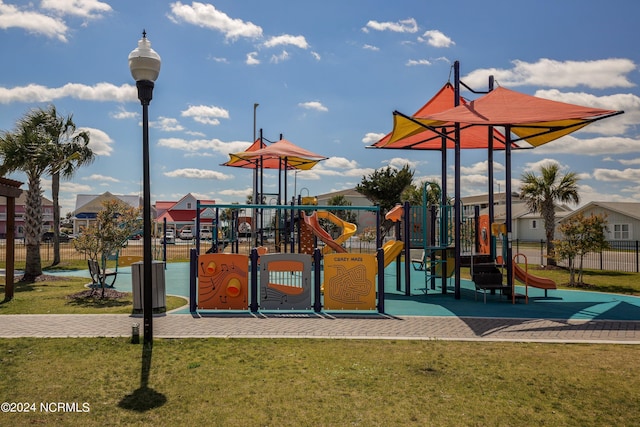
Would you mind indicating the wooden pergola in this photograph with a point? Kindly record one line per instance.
(11, 190)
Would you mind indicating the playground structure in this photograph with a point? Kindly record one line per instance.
(290, 273)
(306, 267)
(286, 273)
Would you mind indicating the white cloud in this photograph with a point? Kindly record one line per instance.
(33, 22)
(167, 124)
(400, 162)
(207, 16)
(339, 163)
(237, 193)
(316, 56)
(201, 145)
(404, 26)
(590, 147)
(198, 174)
(630, 162)
(414, 62)
(616, 175)
(206, 114)
(599, 74)
(372, 137)
(123, 114)
(481, 168)
(276, 59)
(370, 47)
(313, 105)
(71, 187)
(251, 58)
(99, 142)
(436, 38)
(98, 177)
(627, 102)
(90, 9)
(535, 167)
(98, 92)
(286, 39)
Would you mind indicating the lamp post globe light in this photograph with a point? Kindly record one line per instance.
(144, 64)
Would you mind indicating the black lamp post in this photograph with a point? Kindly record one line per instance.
(144, 64)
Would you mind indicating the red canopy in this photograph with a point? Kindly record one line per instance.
(533, 119)
(425, 139)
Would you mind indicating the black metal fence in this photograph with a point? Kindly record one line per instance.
(621, 255)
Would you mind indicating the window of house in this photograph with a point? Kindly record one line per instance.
(621, 231)
(534, 224)
(188, 205)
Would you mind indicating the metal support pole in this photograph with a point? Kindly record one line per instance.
(457, 215)
(145, 94)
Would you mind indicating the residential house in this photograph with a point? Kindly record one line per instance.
(20, 209)
(623, 219)
(182, 214)
(525, 225)
(88, 205)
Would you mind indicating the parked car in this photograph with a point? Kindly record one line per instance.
(170, 236)
(186, 234)
(205, 234)
(47, 236)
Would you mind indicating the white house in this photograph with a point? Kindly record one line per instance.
(623, 218)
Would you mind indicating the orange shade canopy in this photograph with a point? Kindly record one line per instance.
(407, 134)
(535, 120)
(275, 156)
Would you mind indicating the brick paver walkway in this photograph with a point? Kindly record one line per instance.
(324, 326)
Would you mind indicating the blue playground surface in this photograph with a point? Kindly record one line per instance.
(560, 304)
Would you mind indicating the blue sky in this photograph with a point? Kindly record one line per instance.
(326, 75)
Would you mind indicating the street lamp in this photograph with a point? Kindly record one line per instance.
(144, 64)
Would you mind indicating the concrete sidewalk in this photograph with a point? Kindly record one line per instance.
(324, 326)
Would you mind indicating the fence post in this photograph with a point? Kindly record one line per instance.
(541, 252)
(637, 259)
(601, 260)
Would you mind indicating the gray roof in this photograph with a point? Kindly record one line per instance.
(630, 209)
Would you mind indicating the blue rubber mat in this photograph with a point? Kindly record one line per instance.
(559, 304)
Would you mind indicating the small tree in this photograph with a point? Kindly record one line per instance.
(111, 230)
(581, 235)
(384, 187)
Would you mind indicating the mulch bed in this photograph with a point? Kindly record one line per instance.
(97, 294)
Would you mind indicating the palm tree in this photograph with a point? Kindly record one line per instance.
(28, 149)
(71, 151)
(541, 194)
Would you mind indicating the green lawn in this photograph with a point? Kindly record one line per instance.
(54, 297)
(319, 382)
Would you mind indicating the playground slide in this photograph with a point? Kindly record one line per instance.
(348, 229)
(531, 280)
(314, 225)
(391, 250)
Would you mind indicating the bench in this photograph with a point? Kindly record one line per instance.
(98, 277)
(488, 277)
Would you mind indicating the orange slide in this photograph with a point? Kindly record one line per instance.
(348, 229)
(531, 280)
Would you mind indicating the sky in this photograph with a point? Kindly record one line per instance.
(326, 76)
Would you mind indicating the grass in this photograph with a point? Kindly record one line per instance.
(52, 297)
(596, 280)
(284, 382)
